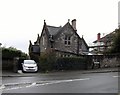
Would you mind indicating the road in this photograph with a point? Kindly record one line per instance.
(64, 82)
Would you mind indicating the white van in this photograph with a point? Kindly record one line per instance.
(29, 66)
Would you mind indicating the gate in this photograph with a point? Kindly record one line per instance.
(17, 64)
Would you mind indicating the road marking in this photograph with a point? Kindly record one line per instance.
(116, 76)
(2, 87)
(42, 83)
(32, 84)
(58, 81)
(17, 83)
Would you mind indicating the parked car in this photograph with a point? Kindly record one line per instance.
(29, 66)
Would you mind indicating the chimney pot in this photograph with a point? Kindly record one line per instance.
(98, 37)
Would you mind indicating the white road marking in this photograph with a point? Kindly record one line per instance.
(17, 83)
(34, 83)
(62, 81)
(116, 76)
(45, 83)
(2, 87)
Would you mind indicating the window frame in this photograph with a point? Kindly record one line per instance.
(67, 40)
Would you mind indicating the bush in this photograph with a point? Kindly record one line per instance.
(73, 63)
(49, 62)
(34, 57)
(12, 52)
(8, 56)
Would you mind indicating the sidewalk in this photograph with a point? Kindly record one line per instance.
(20, 74)
(102, 70)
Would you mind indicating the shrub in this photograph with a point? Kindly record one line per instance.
(72, 63)
(49, 62)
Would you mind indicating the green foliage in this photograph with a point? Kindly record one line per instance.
(47, 61)
(72, 63)
(12, 52)
(116, 42)
(34, 57)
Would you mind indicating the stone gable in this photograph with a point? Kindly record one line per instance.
(63, 39)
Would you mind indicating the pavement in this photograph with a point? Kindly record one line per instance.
(20, 74)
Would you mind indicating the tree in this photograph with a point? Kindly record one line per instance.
(12, 52)
(116, 42)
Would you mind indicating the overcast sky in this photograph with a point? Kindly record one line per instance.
(22, 20)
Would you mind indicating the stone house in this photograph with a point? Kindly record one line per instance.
(64, 41)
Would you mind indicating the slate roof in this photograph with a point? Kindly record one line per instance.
(53, 30)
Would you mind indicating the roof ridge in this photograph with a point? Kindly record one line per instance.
(54, 26)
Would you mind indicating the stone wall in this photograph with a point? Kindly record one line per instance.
(110, 62)
(7, 64)
(103, 61)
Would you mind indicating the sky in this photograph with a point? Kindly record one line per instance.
(22, 20)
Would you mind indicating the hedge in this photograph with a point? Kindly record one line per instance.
(75, 63)
(68, 63)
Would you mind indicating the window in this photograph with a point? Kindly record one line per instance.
(67, 40)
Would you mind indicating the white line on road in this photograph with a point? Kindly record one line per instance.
(46, 83)
(62, 81)
(116, 76)
(2, 87)
(58, 81)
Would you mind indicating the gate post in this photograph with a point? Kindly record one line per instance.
(15, 64)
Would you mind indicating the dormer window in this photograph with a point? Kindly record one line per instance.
(67, 40)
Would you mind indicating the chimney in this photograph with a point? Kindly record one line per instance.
(98, 37)
(74, 24)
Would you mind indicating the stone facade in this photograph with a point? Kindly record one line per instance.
(110, 62)
(63, 40)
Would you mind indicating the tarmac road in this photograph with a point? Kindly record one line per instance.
(65, 82)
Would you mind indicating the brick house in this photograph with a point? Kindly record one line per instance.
(64, 41)
(104, 44)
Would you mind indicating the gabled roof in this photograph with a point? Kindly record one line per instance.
(56, 31)
(52, 33)
(53, 30)
(85, 42)
(62, 28)
(46, 30)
